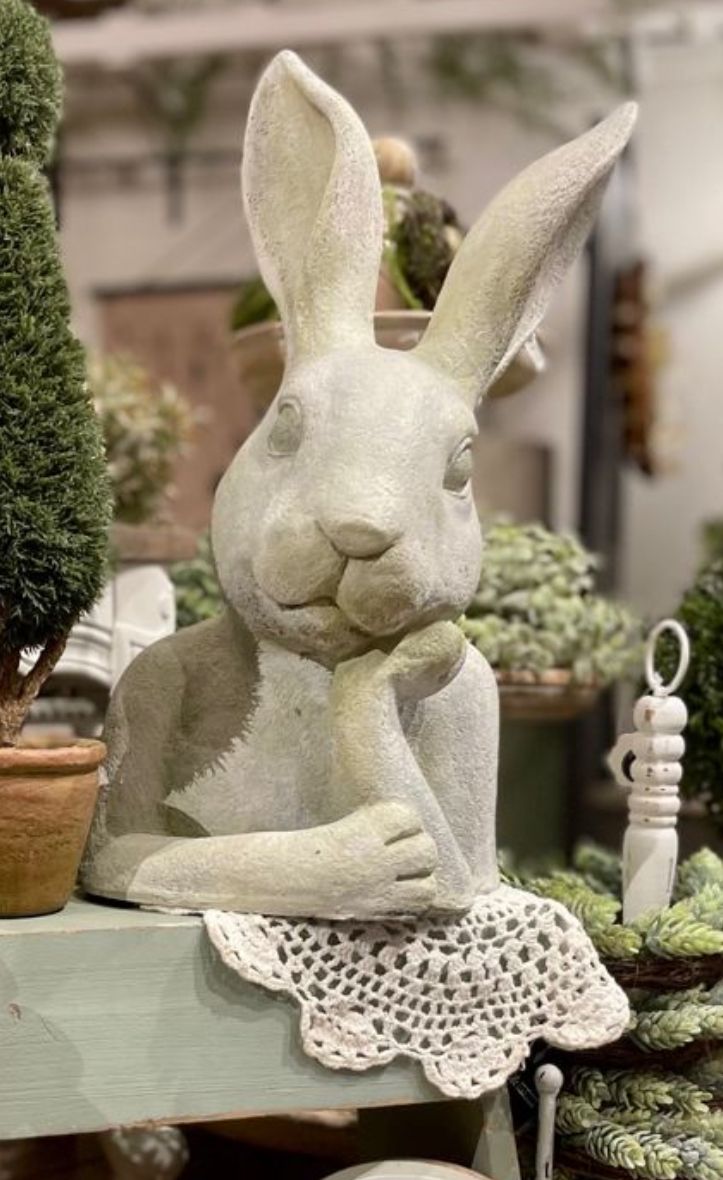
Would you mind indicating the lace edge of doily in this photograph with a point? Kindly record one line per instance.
(577, 1036)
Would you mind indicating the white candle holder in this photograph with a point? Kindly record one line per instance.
(648, 763)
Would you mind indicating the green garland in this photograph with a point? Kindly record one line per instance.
(691, 927)
(649, 1123)
(653, 1123)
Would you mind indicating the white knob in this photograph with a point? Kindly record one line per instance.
(548, 1083)
(660, 715)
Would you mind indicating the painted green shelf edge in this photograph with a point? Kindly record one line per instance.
(112, 1016)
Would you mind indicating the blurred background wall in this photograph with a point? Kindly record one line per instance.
(155, 243)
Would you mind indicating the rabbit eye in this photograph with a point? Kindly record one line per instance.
(285, 436)
(459, 469)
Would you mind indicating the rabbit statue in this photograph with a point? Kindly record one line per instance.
(328, 746)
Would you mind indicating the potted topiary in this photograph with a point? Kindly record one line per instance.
(54, 502)
(553, 643)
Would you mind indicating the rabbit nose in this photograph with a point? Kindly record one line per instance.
(359, 538)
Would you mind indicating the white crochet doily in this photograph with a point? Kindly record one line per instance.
(464, 996)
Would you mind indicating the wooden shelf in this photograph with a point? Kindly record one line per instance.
(110, 1015)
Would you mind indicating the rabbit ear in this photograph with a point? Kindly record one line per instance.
(313, 202)
(508, 266)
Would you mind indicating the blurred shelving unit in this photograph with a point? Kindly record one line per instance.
(176, 29)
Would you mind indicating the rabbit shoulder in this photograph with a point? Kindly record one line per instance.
(181, 702)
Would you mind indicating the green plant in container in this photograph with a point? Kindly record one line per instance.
(54, 502)
(198, 594)
(54, 494)
(146, 425)
(648, 1105)
(535, 615)
(422, 234)
(701, 613)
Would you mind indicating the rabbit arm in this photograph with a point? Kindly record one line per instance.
(374, 862)
(456, 744)
(374, 757)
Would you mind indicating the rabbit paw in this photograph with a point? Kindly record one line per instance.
(420, 665)
(382, 862)
(426, 661)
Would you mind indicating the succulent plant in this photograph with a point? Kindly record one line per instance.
(613, 1145)
(660, 1124)
(652, 1124)
(534, 609)
(690, 927)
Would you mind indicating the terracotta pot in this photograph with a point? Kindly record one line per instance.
(47, 798)
(549, 696)
(259, 352)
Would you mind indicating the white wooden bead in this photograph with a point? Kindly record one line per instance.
(660, 715)
(662, 747)
(656, 773)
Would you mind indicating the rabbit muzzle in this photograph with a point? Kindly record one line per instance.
(376, 584)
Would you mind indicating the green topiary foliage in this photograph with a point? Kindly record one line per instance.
(30, 83)
(55, 505)
(701, 613)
